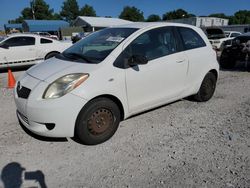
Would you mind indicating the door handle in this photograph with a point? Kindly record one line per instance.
(180, 61)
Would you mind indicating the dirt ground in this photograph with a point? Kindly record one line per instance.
(184, 144)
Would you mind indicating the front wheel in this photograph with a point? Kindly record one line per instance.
(207, 88)
(97, 121)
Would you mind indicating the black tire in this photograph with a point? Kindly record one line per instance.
(97, 121)
(227, 62)
(207, 88)
(50, 55)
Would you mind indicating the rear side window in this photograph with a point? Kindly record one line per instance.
(20, 41)
(191, 39)
(45, 41)
(235, 34)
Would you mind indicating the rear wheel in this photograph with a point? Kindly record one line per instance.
(97, 121)
(207, 88)
(50, 55)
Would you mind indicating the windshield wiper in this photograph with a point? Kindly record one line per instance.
(77, 56)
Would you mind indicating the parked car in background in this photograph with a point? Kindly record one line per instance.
(218, 38)
(48, 35)
(238, 51)
(78, 36)
(215, 35)
(28, 49)
(113, 74)
(232, 34)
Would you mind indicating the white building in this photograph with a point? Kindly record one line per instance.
(96, 23)
(202, 21)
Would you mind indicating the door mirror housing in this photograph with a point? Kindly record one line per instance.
(137, 60)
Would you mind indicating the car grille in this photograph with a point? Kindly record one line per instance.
(24, 118)
(22, 92)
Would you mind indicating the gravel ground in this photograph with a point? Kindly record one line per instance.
(184, 144)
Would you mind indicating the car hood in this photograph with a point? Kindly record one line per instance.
(54, 68)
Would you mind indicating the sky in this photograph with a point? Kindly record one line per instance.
(11, 9)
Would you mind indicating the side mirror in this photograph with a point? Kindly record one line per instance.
(5, 46)
(137, 60)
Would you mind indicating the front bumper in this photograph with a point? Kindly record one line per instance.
(51, 118)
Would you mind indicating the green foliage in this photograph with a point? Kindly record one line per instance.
(176, 14)
(87, 10)
(153, 18)
(240, 17)
(42, 10)
(219, 15)
(132, 14)
(70, 10)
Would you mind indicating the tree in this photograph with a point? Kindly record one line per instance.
(153, 18)
(41, 10)
(70, 10)
(132, 14)
(87, 10)
(57, 16)
(176, 14)
(219, 15)
(240, 17)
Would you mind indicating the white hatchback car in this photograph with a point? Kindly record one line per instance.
(113, 74)
(27, 49)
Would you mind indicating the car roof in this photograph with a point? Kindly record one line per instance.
(232, 32)
(23, 34)
(144, 25)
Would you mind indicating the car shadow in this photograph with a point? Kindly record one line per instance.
(241, 66)
(41, 138)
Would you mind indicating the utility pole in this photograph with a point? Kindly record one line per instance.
(32, 2)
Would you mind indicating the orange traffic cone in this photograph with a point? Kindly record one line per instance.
(11, 79)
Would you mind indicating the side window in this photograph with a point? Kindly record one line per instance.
(191, 39)
(235, 35)
(153, 44)
(20, 41)
(45, 41)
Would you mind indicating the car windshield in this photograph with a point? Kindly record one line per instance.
(97, 46)
(215, 33)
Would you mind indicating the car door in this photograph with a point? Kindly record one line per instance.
(163, 78)
(17, 49)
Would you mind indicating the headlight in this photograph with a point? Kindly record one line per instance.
(64, 85)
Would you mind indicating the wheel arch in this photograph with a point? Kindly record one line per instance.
(215, 72)
(115, 100)
(51, 52)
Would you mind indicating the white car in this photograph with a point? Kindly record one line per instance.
(48, 35)
(28, 49)
(232, 34)
(229, 35)
(113, 74)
